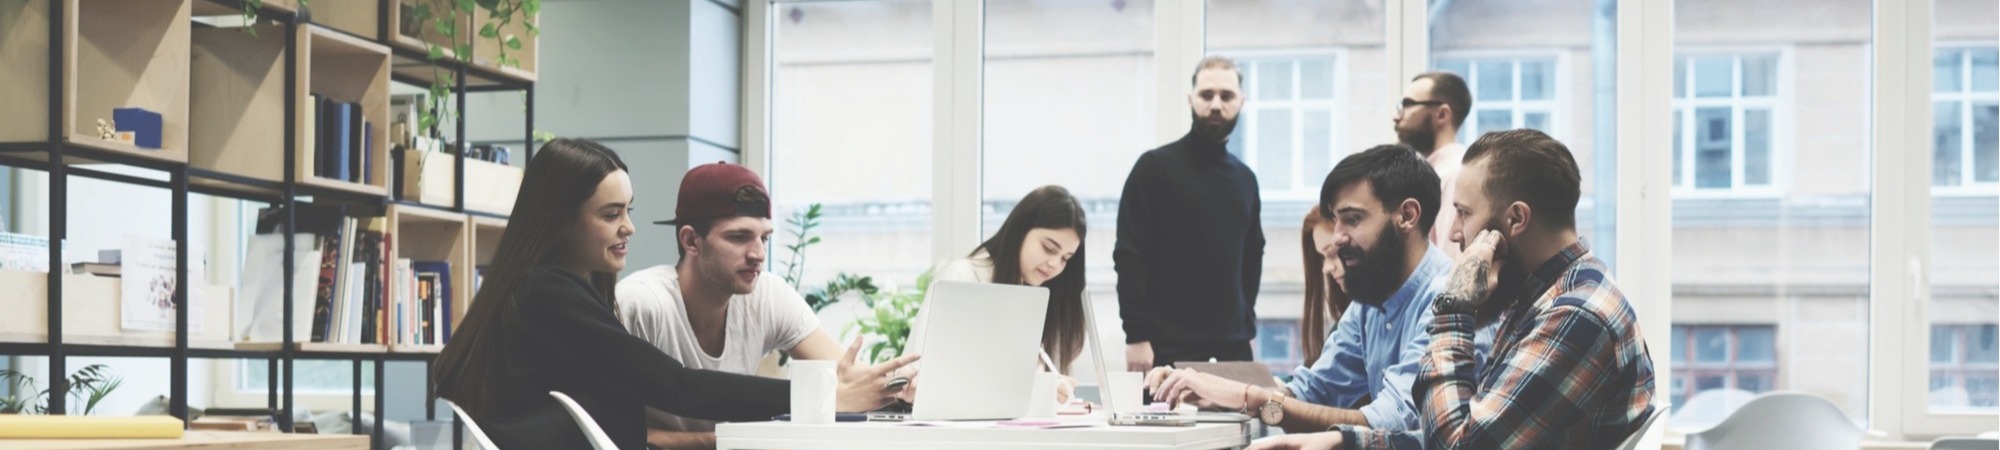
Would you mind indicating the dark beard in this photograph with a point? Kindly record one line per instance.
(1213, 132)
(1423, 141)
(1376, 278)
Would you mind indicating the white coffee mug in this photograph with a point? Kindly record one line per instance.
(813, 386)
(1126, 390)
(1042, 399)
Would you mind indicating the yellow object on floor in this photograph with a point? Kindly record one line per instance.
(89, 427)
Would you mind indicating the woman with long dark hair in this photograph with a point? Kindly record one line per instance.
(545, 320)
(1040, 244)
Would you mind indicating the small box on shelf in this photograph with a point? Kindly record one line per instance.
(123, 54)
(428, 178)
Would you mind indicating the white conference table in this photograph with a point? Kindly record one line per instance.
(974, 436)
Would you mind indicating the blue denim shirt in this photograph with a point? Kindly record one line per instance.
(1375, 350)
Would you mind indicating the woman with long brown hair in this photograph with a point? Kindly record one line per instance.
(1325, 301)
(1040, 244)
(545, 320)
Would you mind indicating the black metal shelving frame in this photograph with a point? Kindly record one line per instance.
(55, 156)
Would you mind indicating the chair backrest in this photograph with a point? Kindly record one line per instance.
(598, 439)
(1781, 421)
(1639, 433)
(477, 434)
(1966, 443)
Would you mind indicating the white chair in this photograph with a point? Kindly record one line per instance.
(1708, 408)
(477, 434)
(1645, 425)
(1966, 443)
(1781, 421)
(597, 437)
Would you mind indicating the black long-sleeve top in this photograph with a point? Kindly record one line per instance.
(1190, 249)
(561, 335)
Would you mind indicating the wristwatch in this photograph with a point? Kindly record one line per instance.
(1273, 410)
(1451, 304)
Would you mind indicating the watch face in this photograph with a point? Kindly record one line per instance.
(1272, 412)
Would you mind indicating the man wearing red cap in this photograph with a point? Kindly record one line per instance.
(716, 309)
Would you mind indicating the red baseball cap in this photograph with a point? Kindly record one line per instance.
(718, 190)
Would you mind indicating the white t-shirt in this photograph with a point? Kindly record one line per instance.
(771, 317)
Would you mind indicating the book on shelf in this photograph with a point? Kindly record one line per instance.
(351, 149)
(435, 319)
(260, 310)
(310, 156)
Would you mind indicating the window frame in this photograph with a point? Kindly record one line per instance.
(1779, 103)
(1557, 105)
(1969, 186)
(1899, 61)
(1304, 186)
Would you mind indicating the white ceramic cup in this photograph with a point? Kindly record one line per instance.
(1127, 390)
(813, 386)
(1042, 399)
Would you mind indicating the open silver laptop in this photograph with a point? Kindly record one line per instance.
(979, 344)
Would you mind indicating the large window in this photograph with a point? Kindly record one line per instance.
(1725, 114)
(1508, 93)
(851, 130)
(1315, 92)
(1069, 100)
(1761, 235)
(1966, 116)
(1964, 267)
(1286, 133)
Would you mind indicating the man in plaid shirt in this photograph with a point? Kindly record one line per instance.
(1570, 368)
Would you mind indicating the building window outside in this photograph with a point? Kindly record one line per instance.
(1966, 112)
(1725, 115)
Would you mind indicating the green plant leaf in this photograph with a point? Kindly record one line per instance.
(513, 43)
(464, 52)
(491, 30)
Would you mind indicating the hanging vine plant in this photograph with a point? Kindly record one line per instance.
(500, 15)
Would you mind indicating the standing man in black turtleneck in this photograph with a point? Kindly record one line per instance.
(1190, 246)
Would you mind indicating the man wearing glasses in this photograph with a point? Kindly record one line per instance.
(1434, 105)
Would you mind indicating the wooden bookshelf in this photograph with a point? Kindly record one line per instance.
(239, 102)
(486, 232)
(344, 68)
(426, 234)
(120, 53)
(91, 304)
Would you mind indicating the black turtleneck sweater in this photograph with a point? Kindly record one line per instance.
(1190, 245)
(561, 335)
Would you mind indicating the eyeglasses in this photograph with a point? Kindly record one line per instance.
(1408, 103)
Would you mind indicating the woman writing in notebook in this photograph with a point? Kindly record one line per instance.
(545, 321)
(1040, 244)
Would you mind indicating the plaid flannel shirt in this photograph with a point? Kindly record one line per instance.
(1570, 370)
